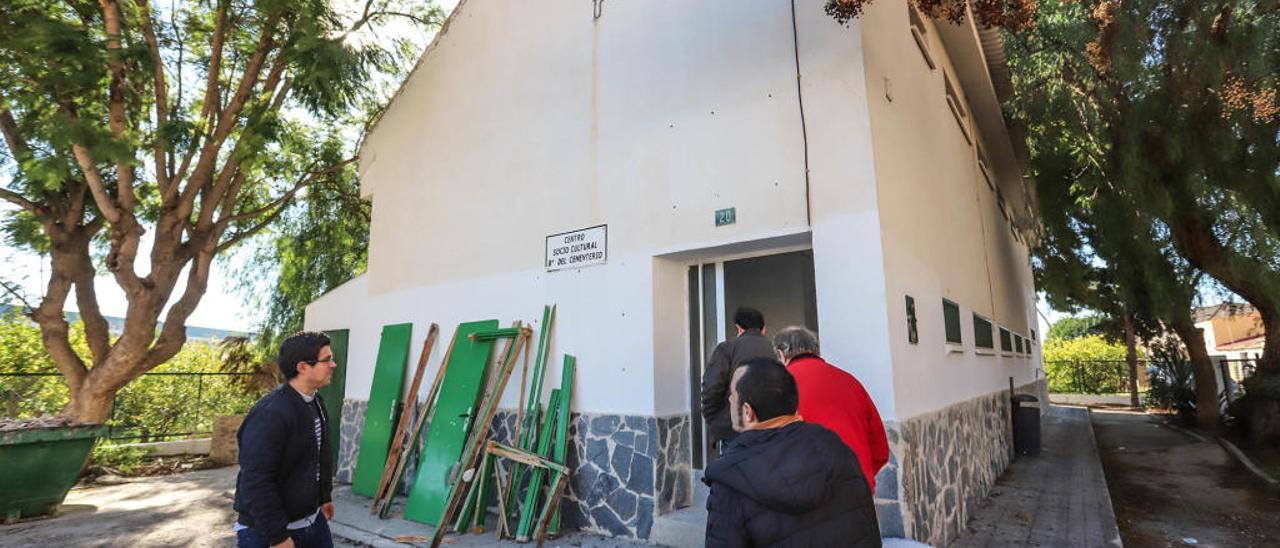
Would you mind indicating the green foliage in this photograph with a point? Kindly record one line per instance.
(1085, 365)
(119, 458)
(1155, 142)
(196, 123)
(165, 402)
(22, 352)
(323, 243)
(169, 400)
(1073, 327)
(1173, 383)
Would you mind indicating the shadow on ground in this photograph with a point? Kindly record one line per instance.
(1167, 486)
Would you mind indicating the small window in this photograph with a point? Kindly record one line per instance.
(1006, 340)
(984, 167)
(957, 108)
(951, 317)
(1033, 334)
(982, 334)
(1017, 343)
(921, 35)
(913, 333)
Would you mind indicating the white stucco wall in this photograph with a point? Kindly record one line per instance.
(528, 119)
(942, 233)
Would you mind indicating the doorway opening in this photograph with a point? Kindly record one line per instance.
(780, 286)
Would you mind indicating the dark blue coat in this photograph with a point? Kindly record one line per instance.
(279, 463)
(798, 485)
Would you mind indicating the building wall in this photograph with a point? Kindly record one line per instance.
(943, 234)
(507, 132)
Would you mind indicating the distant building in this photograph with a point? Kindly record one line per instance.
(1233, 336)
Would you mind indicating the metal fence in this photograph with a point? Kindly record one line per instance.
(153, 407)
(1232, 373)
(1093, 376)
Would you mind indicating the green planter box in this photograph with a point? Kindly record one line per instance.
(38, 467)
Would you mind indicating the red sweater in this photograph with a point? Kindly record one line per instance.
(832, 398)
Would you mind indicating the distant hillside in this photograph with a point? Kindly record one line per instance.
(116, 325)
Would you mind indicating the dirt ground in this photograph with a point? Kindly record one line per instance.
(1169, 489)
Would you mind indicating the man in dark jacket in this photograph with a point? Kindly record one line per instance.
(784, 482)
(283, 492)
(750, 343)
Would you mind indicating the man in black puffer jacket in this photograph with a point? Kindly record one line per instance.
(283, 491)
(782, 481)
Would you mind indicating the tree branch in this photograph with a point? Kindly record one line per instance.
(203, 174)
(116, 100)
(209, 107)
(174, 333)
(161, 94)
(96, 185)
(54, 330)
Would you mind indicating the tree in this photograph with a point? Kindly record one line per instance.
(1072, 327)
(1166, 111)
(322, 243)
(194, 126)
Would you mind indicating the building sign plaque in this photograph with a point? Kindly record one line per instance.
(578, 248)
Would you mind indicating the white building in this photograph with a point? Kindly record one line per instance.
(868, 170)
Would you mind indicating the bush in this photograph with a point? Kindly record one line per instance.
(168, 401)
(1173, 386)
(1088, 364)
(120, 459)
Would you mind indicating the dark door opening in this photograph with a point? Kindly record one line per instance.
(781, 286)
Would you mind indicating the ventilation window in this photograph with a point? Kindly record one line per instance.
(913, 333)
(984, 167)
(982, 334)
(957, 108)
(921, 35)
(951, 318)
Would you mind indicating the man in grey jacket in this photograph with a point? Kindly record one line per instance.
(749, 343)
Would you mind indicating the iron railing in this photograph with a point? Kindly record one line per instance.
(1093, 376)
(153, 407)
(1233, 373)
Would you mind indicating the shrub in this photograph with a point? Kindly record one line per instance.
(121, 459)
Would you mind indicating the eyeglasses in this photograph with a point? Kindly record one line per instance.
(326, 360)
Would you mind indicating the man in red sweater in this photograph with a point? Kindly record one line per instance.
(833, 398)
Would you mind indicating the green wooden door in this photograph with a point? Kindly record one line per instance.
(451, 422)
(380, 416)
(336, 391)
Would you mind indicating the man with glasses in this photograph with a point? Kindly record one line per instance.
(283, 491)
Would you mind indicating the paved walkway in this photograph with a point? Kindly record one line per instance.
(1173, 489)
(194, 509)
(1059, 498)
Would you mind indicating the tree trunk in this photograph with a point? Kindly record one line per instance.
(1208, 410)
(1131, 356)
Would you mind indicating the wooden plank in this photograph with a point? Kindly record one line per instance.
(528, 426)
(478, 435)
(467, 505)
(538, 473)
(380, 415)
(553, 501)
(525, 457)
(427, 405)
(558, 453)
(406, 417)
(447, 437)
